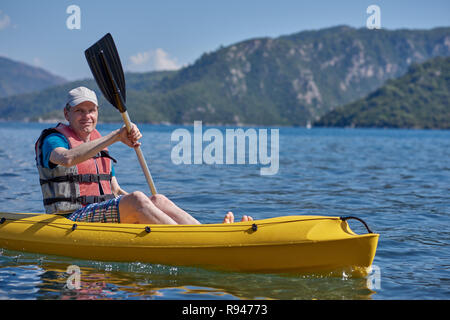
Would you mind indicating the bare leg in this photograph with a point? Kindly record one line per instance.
(172, 210)
(136, 207)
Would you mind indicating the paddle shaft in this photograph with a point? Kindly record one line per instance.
(142, 162)
(120, 105)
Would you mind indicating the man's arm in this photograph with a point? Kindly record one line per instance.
(116, 189)
(71, 157)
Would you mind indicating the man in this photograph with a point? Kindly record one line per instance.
(77, 175)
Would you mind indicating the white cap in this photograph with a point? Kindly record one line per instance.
(80, 95)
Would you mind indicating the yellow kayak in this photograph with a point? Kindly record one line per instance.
(289, 244)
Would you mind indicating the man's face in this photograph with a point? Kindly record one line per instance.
(82, 118)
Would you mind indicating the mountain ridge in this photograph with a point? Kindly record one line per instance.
(287, 80)
(19, 77)
(419, 99)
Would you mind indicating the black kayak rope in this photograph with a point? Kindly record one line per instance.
(359, 219)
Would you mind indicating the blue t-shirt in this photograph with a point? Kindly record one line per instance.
(56, 140)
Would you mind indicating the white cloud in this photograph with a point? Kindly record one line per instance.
(163, 61)
(152, 60)
(140, 58)
(5, 20)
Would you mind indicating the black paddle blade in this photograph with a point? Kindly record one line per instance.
(104, 61)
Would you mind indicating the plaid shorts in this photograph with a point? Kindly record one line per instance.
(106, 211)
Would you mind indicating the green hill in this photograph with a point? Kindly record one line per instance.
(49, 103)
(288, 80)
(419, 99)
(17, 77)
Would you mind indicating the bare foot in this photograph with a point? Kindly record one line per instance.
(229, 218)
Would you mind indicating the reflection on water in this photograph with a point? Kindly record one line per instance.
(103, 280)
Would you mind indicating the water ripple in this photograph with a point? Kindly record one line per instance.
(398, 181)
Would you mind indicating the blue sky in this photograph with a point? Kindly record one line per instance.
(168, 34)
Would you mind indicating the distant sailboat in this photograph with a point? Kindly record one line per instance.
(308, 125)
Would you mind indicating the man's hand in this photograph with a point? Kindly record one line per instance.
(130, 139)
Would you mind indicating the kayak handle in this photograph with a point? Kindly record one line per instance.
(359, 219)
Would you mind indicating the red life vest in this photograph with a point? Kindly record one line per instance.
(66, 189)
(101, 165)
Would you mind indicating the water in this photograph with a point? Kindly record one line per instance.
(398, 181)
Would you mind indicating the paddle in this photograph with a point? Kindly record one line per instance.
(104, 61)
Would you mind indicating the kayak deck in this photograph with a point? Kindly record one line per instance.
(290, 244)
